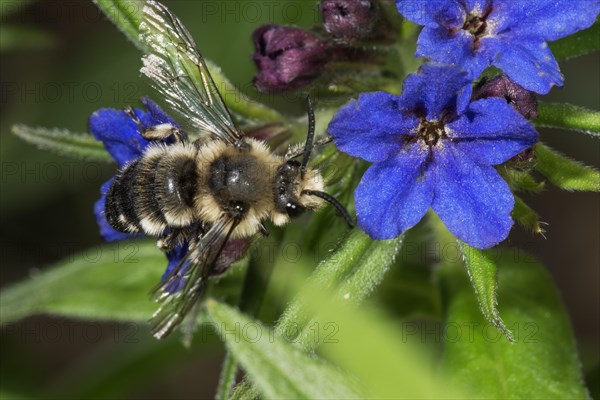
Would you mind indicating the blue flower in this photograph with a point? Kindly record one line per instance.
(432, 147)
(509, 34)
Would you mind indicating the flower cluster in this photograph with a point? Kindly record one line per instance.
(437, 143)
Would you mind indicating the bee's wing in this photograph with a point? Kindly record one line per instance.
(193, 269)
(178, 72)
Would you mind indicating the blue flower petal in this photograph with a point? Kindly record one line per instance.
(547, 19)
(106, 231)
(491, 132)
(436, 90)
(455, 49)
(433, 13)
(394, 194)
(472, 200)
(530, 63)
(476, 5)
(119, 133)
(370, 127)
(157, 115)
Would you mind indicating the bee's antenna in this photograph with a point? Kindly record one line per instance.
(309, 138)
(334, 202)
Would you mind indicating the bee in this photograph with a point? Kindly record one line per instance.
(207, 192)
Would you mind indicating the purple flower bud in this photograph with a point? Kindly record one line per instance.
(287, 58)
(521, 99)
(349, 19)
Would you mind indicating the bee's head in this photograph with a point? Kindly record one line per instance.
(297, 187)
(291, 198)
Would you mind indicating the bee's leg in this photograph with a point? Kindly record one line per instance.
(164, 131)
(156, 132)
(177, 236)
(171, 239)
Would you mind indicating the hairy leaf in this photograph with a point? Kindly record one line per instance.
(109, 282)
(126, 15)
(61, 141)
(541, 363)
(482, 271)
(565, 173)
(19, 37)
(568, 116)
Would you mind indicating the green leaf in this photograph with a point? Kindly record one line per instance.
(279, 369)
(525, 215)
(568, 116)
(542, 362)
(108, 282)
(61, 141)
(15, 37)
(579, 44)
(482, 271)
(126, 15)
(565, 173)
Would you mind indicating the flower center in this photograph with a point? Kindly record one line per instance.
(475, 25)
(431, 131)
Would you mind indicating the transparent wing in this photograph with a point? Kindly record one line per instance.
(178, 71)
(194, 270)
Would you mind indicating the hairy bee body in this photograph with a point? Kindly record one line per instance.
(178, 185)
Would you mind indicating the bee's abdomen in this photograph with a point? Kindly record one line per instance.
(120, 207)
(176, 185)
(153, 193)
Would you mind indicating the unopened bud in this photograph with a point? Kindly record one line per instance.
(520, 98)
(287, 58)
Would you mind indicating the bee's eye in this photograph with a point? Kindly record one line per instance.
(294, 209)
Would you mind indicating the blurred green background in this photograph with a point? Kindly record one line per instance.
(61, 61)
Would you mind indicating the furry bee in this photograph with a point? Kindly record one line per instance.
(208, 191)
